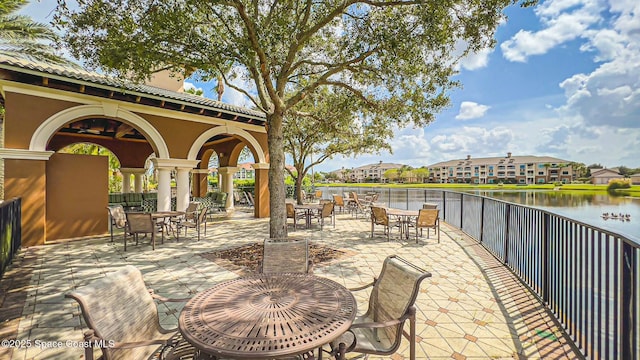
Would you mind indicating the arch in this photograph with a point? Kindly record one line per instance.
(219, 130)
(50, 126)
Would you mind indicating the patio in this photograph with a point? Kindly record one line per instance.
(472, 307)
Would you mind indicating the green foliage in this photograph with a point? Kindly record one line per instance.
(20, 36)
(389, 62)
(244, 182)
(616, 184)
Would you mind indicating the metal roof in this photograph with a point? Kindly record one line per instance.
(77, 74)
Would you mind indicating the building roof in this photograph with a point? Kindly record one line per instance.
(604, 173)
(509, 159)
(58, 75)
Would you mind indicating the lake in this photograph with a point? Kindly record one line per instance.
(582, 206)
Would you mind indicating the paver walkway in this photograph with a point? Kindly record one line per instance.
(471, 308)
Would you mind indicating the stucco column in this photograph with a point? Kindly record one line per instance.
(199, 183)
(227, 184)
(137, 173)
(164, 188)
(182, 182)
(126, 180)
(25, 177)
(261, 198)
(164, 167)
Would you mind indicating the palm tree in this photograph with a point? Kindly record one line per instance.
(21, 36)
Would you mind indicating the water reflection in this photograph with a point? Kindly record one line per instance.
(581, 206)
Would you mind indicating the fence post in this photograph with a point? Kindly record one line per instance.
(444, 206)
(507, 215)
(461, 211)
(545, 257)
(481, 219)
(629, 308)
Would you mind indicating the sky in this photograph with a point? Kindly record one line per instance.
(563, 80)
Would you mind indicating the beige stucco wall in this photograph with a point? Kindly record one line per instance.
(77, 196)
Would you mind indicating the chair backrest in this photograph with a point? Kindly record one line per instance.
(250, 196)
(379, 215)
(327, 209)
(318, 194)
(140, 223)
(285, 255)
(338, 200)
(192, 209)
(119, 307)
(395, 290)
(202, 216)
(427, 217)
(291, 211)
(118, 217)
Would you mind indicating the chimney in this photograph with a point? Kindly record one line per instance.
(468, 157)
(509, 154)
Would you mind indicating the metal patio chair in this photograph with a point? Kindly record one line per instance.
(193, 220)
(338, 202)
(285, 256)
(429, 219)
(117, 218)
(379, 217)
(379, 331)
(327, 211)
(141, 223)
(123, 318)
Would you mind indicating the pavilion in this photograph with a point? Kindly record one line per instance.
(48, 107)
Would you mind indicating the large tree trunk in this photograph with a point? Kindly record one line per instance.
(277, 189)
(299, 198)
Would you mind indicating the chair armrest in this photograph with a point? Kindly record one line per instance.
(165, 299)
(364, 286)
(373, 325)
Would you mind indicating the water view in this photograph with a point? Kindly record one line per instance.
(582, 206)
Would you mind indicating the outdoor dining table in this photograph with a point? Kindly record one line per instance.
(167, 216)
(405, 217)
(309, 210)
(266, 316)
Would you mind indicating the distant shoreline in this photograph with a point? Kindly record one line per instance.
(634, 191)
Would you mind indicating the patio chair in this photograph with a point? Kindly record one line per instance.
(293, 214)
(338, 201)
(123, 318)
(317, 194)
(391, 303)
(249, 197)
(355, 205)
(429, 219)
(141, 223)
(285, 256)
(326, 212)
(117, 218)
(379, 216)
(193, 220)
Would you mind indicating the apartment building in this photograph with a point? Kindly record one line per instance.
(366, 173)
(509, 169)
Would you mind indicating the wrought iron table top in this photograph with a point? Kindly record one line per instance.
(267, 315)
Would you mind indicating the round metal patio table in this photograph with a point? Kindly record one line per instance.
(267, 316)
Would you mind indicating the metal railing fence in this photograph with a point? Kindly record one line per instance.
(587, 276)
(10, 231)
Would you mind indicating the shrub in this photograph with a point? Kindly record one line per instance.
(619, 184)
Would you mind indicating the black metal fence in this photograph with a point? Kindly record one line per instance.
(588, 277)
(10, 231)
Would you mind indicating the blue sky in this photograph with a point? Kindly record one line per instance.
(562, 81)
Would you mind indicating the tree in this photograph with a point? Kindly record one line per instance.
(421, 173)
(391, 174)
(322, 127)
(395, 57)
(22, 37)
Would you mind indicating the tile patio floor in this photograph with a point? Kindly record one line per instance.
(471, 308)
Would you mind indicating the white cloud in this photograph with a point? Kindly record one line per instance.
(563, 21)
(187, 86)
(610, 95)
(472, 140)
(471, 110)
